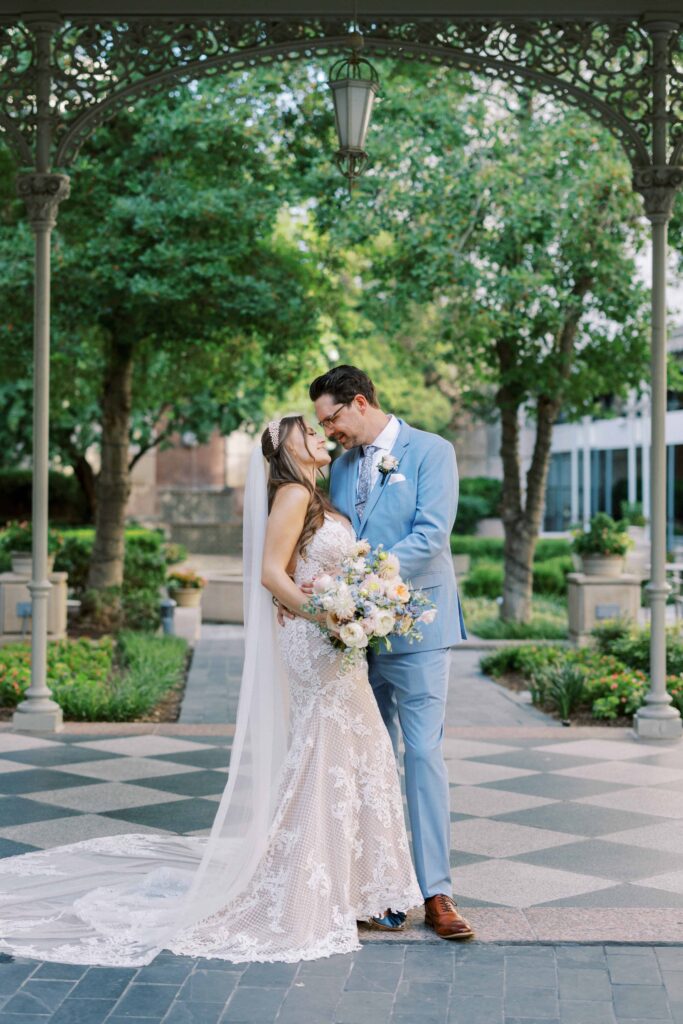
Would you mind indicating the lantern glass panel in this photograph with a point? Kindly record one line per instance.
(353, 102)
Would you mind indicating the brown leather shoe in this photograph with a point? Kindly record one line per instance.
(442, 916)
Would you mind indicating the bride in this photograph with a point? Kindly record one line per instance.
(309, 836)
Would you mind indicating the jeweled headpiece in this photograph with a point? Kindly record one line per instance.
(274, 432)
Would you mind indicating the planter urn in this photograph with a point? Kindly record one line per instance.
(22, 562)
(603, 565)
(188, 597)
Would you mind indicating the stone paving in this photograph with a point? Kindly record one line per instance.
(567, 857)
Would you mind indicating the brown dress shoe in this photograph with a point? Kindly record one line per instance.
(441, 915)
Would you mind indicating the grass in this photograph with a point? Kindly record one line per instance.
(102, 680)
(548, 620)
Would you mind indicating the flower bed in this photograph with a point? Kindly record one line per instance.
(103, 680)
(607, 683)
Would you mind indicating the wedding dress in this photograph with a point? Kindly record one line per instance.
(309, 837)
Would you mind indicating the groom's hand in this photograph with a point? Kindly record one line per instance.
(283, 614)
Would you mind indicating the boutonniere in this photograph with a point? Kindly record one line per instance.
(387, 464)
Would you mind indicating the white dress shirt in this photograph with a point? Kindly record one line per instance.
(384, 442)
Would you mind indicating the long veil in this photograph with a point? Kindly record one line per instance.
(119, 900)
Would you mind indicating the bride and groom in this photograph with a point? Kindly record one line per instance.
(310, 835)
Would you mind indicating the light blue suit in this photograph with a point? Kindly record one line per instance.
(413, 517)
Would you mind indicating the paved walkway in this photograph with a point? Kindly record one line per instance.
(567, 843)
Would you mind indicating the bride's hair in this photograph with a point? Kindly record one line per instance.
(284, 469)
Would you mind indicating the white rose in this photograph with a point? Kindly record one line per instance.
(322, 584)
(353, 635)
(384, 622)
(388, 463)
(428, 616)
(388, 567)
(328, 601)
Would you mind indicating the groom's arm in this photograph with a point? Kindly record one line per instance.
(437, 504)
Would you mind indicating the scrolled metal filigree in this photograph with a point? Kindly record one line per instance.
(603, 67)
(42, 194)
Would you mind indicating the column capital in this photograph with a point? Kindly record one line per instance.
(658, 186)
(42, 194)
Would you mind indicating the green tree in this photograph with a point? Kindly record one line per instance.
(178, 302)
(504, 228)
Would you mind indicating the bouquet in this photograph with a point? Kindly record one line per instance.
(368, 602)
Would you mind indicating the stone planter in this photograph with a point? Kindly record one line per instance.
(187, 597)
(461, 564)
(22, 562)
(603, 565)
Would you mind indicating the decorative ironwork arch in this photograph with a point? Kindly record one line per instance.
(603, 68)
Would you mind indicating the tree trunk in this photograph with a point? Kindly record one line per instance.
(113, 482)
(83, 472)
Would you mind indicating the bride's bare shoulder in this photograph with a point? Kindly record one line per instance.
(291, 498)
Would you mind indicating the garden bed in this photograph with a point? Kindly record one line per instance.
(135, 677)
(604, 684)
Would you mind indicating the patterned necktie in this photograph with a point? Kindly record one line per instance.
(364, 478)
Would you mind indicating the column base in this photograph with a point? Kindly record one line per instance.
(45, 720)
(649, 728)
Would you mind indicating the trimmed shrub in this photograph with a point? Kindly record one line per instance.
(485, 579)
(552, 547)
(487, 488)
(470, 510)
(477, 547)
(550, 576)
(67, 503)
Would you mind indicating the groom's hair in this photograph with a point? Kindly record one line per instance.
(343, 383)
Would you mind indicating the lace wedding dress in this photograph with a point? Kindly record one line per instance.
(336, 848)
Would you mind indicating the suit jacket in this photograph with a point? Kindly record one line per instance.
(411, 512)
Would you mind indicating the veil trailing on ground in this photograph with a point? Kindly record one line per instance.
(119, 900)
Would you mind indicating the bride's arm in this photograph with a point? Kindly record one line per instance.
(285, 523)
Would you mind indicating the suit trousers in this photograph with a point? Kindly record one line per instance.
(411, 690)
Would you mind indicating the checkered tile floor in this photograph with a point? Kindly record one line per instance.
(589, 823)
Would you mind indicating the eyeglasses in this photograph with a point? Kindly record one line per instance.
(329, 420)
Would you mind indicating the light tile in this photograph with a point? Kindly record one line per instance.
(11, 741)
(601, 750)
(623, 773)
(471, 773)
(45, 834)
(672, 881)
(491, 838)
(13, 766)
(486, 803)
(663, 803)
(666, 836)
(101, 797)
(514, 884)
(462, 748)
(144, 745)
(123, 769)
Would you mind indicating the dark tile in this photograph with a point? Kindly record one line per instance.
(83, 1011)
(38, 779)
(629, 970)
(23, 1018)
(198, 783)
(253, 1004)
(17, 810)
(269, 975)
(376, 977)
(8, 848)
(647, 1001)
(475, 1009)
(193, 1013)
(64, 972)
(585, 956)
(555, 787)
(625, 895)
(104, 983)
(214, 963)
(586, 1011)
(361, 1007)
(39, 996)
(214, 757)
(580, 819)
(209, 986)
(540, 1002)
(535, 760)
(580, 983)
(603, 859)
(522, 976)
(164, 973)
(45, 757)
(178, 816)
(670, 958)
(393, 952)
(673, 983)
(146, 1001)
(12, 975)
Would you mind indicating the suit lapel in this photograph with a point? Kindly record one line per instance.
(398, 451)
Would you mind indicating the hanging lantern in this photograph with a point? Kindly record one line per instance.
(354, 84)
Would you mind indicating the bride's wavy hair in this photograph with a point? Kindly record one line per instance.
(284, 469)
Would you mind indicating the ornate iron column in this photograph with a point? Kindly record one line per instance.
(42, 193)
(658, 185)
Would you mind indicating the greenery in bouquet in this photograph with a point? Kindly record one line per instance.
(189, 580)
(604, 536)
(368, 602)
(18, 536)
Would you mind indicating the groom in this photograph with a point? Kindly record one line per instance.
(399, 488)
